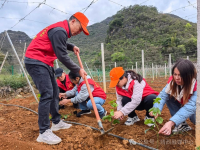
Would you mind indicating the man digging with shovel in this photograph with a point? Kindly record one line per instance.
(48, 45)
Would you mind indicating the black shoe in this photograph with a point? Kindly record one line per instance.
(75, 112)
(75, 105)
(61, 107)
(82, 112)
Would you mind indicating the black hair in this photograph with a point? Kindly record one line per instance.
(134, 75)
(72, 17)
(73, 75)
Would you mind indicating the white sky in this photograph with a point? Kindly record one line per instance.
(13, 11)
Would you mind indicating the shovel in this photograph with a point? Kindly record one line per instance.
(92, 100)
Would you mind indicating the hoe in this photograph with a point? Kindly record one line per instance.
(93, 103)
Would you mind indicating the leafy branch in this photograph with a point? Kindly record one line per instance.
(110, 116)
(159, 120)
(198, 148)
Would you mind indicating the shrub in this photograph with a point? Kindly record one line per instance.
(15, 81)
(118, 56)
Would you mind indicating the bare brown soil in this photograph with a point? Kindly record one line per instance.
(19, 129)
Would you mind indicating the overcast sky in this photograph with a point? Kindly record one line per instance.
(12, 11)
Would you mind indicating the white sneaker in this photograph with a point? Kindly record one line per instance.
(60, 125)
(150, 124)
(48, 137)
(131, 121)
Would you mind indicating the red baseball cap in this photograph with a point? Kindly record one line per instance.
(115, 74)
(83, 20)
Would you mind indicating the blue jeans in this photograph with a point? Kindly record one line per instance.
(44, 79)
(174, 106)
(98, 101)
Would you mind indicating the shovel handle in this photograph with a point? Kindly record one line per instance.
(89, 90)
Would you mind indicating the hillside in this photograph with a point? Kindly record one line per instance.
(18, 38)
(143, 28)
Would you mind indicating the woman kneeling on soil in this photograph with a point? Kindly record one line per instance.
(180, 96)
(133, 93)
(83, 96)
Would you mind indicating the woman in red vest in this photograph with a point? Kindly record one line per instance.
(133, 93)
(83, 96)
(180, 95)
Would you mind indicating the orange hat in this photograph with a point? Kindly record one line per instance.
(115, 74)
(83, 20)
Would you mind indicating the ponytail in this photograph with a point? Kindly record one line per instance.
(134, 75)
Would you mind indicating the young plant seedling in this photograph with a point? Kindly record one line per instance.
(110, 116)
(198, 148)
(156, 112)
(64, 116)
(38, 96)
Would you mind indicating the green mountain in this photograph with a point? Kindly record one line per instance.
(143, 28)
(18, 39)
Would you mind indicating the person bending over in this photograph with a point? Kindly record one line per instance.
(49, 44)
(180, 95)
(133, 93)
(82, 98)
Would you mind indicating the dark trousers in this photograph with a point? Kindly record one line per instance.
(146, 104)
(44, 79)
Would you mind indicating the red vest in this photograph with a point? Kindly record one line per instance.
(98, 92)
(69, 85)
(40, 47)
(146, 91)
(195, 87)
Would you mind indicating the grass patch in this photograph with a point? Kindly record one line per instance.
(14, 81)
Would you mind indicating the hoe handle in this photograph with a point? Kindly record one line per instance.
(89, 90)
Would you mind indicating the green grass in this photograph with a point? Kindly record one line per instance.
(14, 81)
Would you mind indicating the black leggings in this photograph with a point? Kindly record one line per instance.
(146, 104)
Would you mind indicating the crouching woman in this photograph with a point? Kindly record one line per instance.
(133, 93)
(180, 95)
